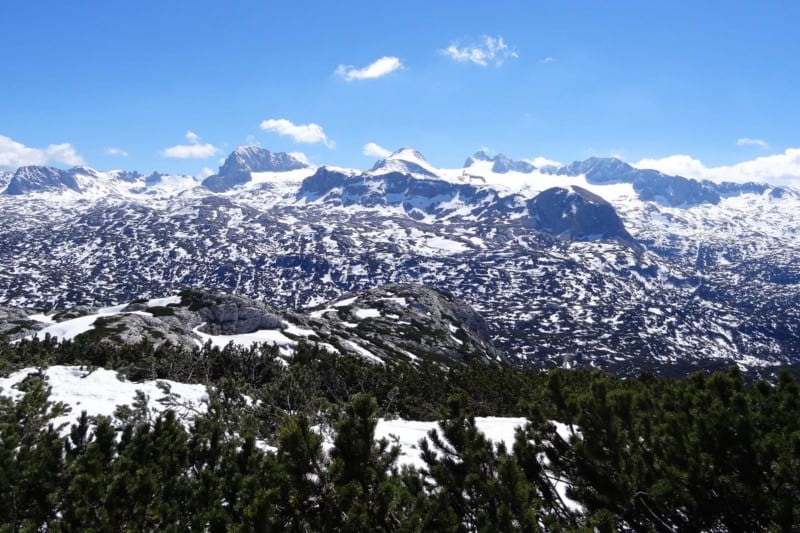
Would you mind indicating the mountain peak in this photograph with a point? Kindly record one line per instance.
(407, 153)
(406, 160)
(246, 159)
(39, 179)
(577, 214)
(600, 170)
(256, 159)
(502, 163)
(480, 155)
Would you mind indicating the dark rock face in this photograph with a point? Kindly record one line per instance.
(153, 179)
(321, 183)
(394, 188)
(15, 323)
(502, 163)
(735, 189)
(650, 185)
(255, 159)
(5, 179)
(480, 155)
(230, 315)
(411, 319)
(222, 183)
(246, 159)
(577, 214)
(600, 171)
(40, 179)
(402, 321)
(129, 176)
(674, 191)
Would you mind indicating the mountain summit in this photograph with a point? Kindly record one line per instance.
(501, 163)
(405, 161)
(246, 159)
(40, 179)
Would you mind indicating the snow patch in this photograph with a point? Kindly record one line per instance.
(100, 391)
(361, 314)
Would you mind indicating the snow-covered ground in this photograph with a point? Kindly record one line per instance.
(100, 391)
(408, 433)
(71, 328)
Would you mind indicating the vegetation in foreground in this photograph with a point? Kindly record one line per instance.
(707, 453)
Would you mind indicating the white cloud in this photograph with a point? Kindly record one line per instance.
(379, 68)
(205, 172)
(492, 50)
(777, 169)
(15, 154)
(540, 162)
(747, 141)
(376, 150)
(300, 156)
(301, 133)
(119, 152)
(193, 150)
(548, 59)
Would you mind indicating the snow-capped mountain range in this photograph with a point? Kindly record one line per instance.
(594, 263)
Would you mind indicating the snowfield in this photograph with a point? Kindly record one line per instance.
(100, 391)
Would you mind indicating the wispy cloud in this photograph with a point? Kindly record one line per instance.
(194, 150)
(377, 69)
(777, 169)
(205, 172)
(301, 133)
(376, 150)
(747, 141)
(15, 154)
(548, 59)
(117, 152)
(489, 51)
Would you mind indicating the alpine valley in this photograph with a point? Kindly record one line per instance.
(595, 263)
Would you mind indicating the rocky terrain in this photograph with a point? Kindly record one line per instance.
(592, 263)
(396, 321)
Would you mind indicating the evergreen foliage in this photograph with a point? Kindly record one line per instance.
(706, 453)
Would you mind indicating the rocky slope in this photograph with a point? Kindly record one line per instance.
(593, 263)
(404, 321)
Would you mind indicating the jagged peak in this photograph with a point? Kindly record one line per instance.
(407, 153)
(83, 169)
(248, 149)
(406, 160)
(480, 155)
(254, 159)
(502, 163)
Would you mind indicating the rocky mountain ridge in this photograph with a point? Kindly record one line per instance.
(568, 265)
(405, 321)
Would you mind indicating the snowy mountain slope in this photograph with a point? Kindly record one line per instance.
(404, 161)
(5, 179)
(83, 184)
(687, 284)
(240, 166)
(407, 322)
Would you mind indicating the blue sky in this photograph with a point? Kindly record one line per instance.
(118, 84)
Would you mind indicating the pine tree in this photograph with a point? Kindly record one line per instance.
(368, 494)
